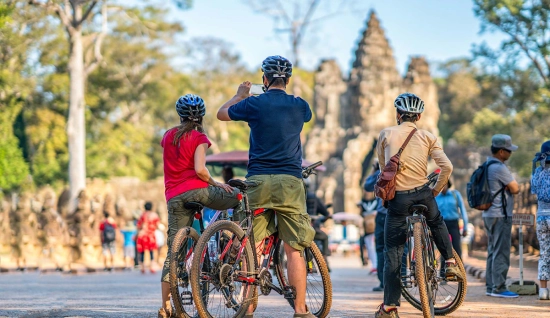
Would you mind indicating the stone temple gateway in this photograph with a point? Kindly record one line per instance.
(351, 113)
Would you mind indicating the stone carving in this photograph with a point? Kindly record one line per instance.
(52, 234)
(84, 238)
(24, 226)
(351, 113)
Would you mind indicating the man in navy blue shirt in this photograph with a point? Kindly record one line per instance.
(276, 120)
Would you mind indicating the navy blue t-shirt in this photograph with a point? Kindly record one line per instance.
(275, 120)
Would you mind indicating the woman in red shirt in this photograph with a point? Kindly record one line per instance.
(186, 178)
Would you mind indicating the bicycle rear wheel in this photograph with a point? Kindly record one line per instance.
(422, 271)
(181, 256)
(318, 283)
(218, 275)
(449, 295)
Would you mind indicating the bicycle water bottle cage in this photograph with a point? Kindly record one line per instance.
(242, 185)
(194, 206)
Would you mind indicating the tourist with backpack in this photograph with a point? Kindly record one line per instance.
(540, 185)
(452, 208)
(107, 230)
(491, 189)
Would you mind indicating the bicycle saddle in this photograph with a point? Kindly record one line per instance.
(195, 206)
(241, 185)
(418, 208)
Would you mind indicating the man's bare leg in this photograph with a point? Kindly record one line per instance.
(258, 258)
(297, 277)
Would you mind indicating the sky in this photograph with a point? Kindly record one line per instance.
(436, 29)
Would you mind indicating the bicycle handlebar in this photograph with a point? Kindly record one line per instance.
(307, 171)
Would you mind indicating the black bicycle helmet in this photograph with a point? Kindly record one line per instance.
(409, 103)
(191, 106)
(277, 66)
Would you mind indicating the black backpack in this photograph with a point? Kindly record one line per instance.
(108, 233)
(479, 193)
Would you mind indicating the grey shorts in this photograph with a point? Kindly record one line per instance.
(130, 251)
(108, 248)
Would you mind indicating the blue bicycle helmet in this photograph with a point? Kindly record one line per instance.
(277, 66)
(190, 106)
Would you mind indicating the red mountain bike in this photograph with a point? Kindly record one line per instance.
(225, 274)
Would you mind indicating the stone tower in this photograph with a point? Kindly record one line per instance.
(350, 113)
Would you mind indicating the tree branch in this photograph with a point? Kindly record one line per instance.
(87, 13)
(58, 10)
(302, 28)
(532, 58)
(98, 57)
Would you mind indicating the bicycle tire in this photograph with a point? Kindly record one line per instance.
(213, 273)
(456, 302)
(420, 271)
(319, 265)
(178, 268)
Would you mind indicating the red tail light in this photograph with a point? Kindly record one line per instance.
(239, 196)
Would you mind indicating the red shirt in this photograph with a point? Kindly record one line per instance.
(179, 163)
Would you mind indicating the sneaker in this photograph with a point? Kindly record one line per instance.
(378, 289)
(488, 293)
(543, 294)
(308, 314)
(443, 283)
(163, 313)
(453, 273)
(373, 271)
(504, 294)
(381, 313)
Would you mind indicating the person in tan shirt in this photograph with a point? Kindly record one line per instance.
(411, 188)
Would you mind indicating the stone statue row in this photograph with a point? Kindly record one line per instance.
(39, 231)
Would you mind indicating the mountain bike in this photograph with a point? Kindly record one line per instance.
(227, 271)
(182, 251)
(424, 285)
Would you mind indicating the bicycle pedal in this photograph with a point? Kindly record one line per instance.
(186, 298)
(289, 292)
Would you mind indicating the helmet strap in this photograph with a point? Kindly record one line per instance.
(272, 81)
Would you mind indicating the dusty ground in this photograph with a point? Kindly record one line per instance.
(131, 294)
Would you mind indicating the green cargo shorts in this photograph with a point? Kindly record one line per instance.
(179, 216)
(284, 194)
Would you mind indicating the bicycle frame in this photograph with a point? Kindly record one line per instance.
(411, 220)
(269, 247)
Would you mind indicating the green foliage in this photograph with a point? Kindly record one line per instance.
(527, 24)
(499, 94)
(129, 97)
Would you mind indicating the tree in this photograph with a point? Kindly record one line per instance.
(13, 90)
(130, 101)
(527, 23)
(73, 15)
(295, 17)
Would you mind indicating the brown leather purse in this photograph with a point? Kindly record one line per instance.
(385, 184)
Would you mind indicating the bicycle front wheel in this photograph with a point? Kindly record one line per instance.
(422, 271)
(181, 256)
(318, 283)
(220, 277)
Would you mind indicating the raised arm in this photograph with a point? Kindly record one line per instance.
(242, 93)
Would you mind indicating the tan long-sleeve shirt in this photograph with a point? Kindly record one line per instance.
(414, 159)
